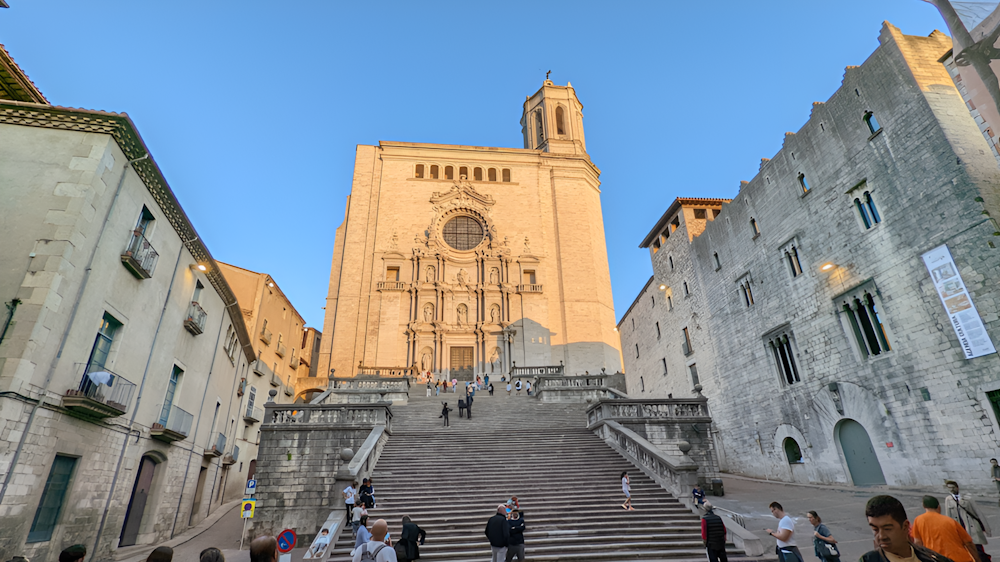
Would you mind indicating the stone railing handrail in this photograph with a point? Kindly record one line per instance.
(386, 371)
(695, 409)
(544, 370)
(328, 414)
(368, 454)
(371, 383)
(573, 381)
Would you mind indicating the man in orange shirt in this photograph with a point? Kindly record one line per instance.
(942, 534)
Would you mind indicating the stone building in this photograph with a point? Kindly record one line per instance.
(811, 306)
(309, 381)
(121, 346)
(463, 260)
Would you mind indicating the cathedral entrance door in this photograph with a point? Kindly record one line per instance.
(461, 363)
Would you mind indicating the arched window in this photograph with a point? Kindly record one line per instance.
(434, 172)
(870, 203)
(863, 211)
(754, 228)
(492, 174)
(873, 126)
(449, 173)
(506, 175)
(803, 183)
(463, 173)
(792, 451)
(539, 129)
(560, 121)
(477, 174)
(419, 173)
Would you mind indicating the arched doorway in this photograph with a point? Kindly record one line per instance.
(252, 470)
(859, 454)
(137, 503)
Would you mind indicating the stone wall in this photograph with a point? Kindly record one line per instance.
(933, 178)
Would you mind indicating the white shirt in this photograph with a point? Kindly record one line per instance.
(350, 494)
(787, 523)
(387, 554)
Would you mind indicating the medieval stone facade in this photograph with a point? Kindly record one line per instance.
(815, 328)
(463, 260)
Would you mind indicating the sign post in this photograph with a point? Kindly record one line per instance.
(286, 542)
(247, 507)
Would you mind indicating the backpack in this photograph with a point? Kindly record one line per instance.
(365, 555)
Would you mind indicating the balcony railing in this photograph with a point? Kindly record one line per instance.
(293, 360)
(531, 288)
(195, 322)
(231, 458)
(275, 381)
(262, 369)
(289, 390)
(177, 428)
(391, 286)
(265, 336)
(253, 415)
(140, 257)
(218, 447)
(553, 370)
(281, 350)
(101, 394)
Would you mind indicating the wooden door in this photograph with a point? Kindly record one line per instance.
(859, 454)
(137, 505)
(461, 363)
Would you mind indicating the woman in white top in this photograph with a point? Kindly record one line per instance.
(626, 490)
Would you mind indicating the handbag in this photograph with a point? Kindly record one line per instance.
(832, 550)
(400, 548)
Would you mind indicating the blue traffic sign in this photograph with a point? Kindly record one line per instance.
(286, 540)
(251, 484)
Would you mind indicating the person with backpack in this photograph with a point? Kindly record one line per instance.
(713, 533)
(407, 547)
(375, 550)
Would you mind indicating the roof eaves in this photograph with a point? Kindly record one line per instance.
(13, 73)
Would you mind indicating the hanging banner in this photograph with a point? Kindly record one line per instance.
(957, 302)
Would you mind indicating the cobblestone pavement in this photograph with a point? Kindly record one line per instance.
(842, 510)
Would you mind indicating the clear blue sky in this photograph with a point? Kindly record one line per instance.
(253, 109)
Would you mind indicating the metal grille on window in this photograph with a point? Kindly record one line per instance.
(463, 233)
(781, 348)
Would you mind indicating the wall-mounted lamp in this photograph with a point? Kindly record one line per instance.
(270, 283)
(663, 287)
(198, 266)
(827, 266)
(616, 328)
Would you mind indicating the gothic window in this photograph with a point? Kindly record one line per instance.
(463, 173)
(434, 172)
(791, 255)
(560, 121)
(860, 310)
(803, 183)
(779, 344)
(754, 228)
(865, 205)
(463, 233)
(539, 129)
(419, 173)
(873, 126)
(449, 172)
(492, 174)
(477, 174)
(746, 290)
(505, 175)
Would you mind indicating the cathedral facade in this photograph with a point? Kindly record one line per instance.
(465, 260)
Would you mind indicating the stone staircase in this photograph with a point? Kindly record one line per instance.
(449, 480)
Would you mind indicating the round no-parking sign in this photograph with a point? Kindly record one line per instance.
(286, 540)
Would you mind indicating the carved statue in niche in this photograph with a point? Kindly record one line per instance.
(430, 273)
(496, 360)
(428, 312)
(527, 248)
(462, 277)
(393, 243)
(425, 362)
(494, 275)
(463, 314)
(495, 314)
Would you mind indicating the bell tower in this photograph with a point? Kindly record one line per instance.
(553, 120)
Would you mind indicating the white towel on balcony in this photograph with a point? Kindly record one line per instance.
(99, 377)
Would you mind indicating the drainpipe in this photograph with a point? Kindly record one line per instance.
(138, 400)
(201, 411)
(65, 335)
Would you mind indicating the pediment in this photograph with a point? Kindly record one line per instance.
(462, 193)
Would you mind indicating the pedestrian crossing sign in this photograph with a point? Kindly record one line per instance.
(246, 511)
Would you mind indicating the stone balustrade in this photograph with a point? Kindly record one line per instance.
(579, 388)
(365, 370)
(341, 415)
(370, 383)
(694, 409)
